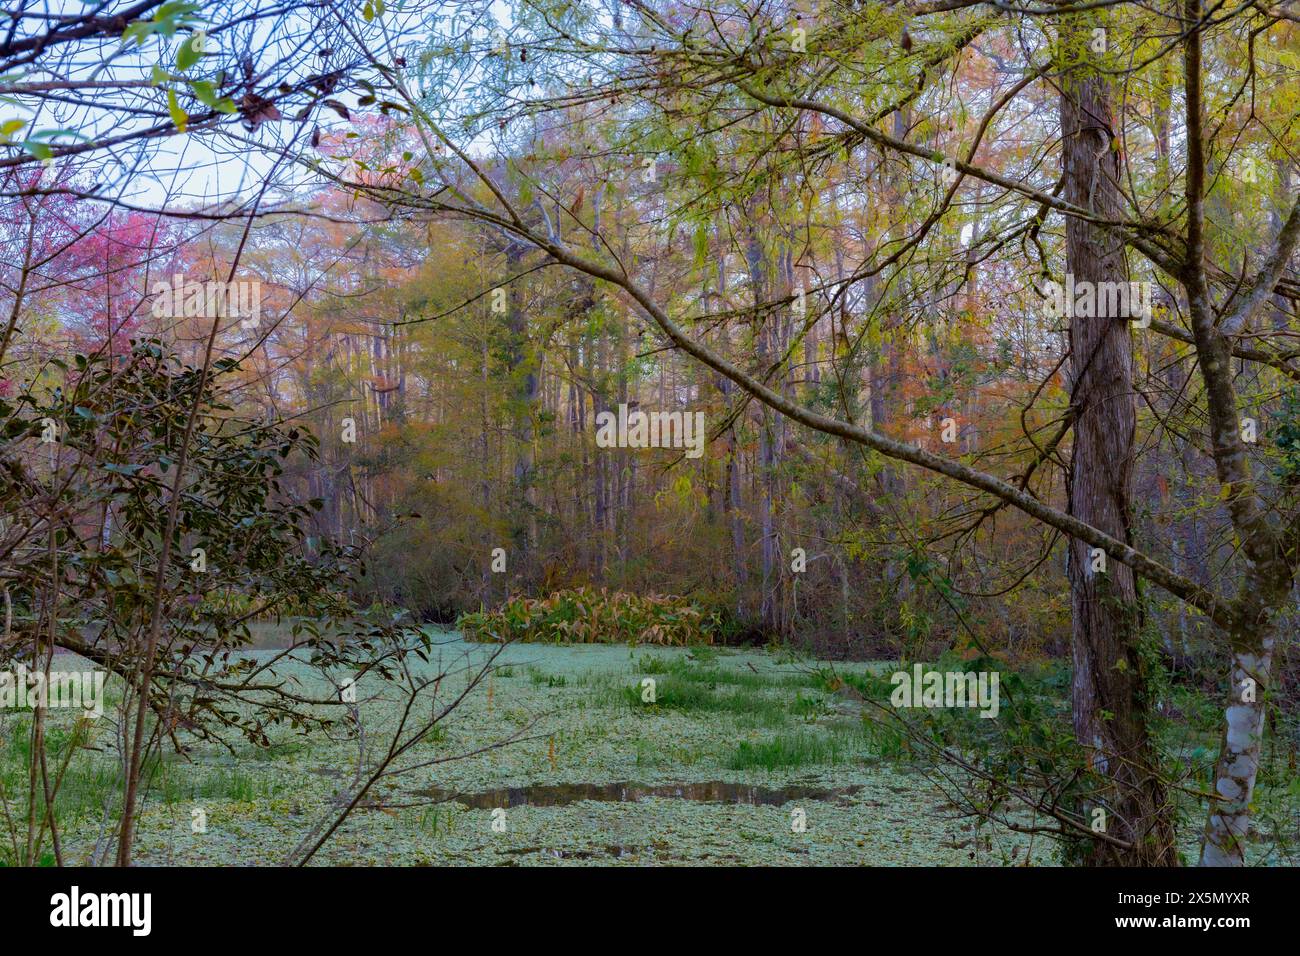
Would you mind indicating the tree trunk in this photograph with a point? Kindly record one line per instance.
(1109, 693)
(757, 261)
(1239, 749)
(523, 370)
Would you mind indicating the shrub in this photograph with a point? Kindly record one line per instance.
(589, 616)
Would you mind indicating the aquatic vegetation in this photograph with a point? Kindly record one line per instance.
(711, 772)
(588, 616)
(794, 750)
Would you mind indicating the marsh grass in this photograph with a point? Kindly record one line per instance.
(755, 700)
(705, 671)
(797, 704)
(800, 749)
(436, 821)
(182, 784)
(682, 695)
(89, 785)
(85, 785)
(541, 678)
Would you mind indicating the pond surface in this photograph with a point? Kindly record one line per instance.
(563, 794)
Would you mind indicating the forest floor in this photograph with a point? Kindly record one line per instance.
(744, 758)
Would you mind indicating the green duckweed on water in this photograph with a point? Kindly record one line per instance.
(743, 757)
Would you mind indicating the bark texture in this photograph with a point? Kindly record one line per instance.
(1108, 694)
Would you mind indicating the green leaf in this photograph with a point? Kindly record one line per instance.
(136, 32)
(700, 241)
(48, 134)
(204, 92)
(39, 150)
(179, 116)
(190, 52)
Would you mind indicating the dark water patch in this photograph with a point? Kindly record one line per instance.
(563, 794)
(618, 851)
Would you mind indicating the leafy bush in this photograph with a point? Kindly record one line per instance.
(588, 616)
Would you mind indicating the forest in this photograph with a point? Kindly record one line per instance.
(652, 432)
